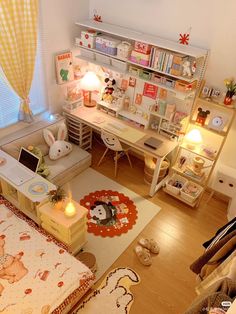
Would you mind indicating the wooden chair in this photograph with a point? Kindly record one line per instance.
(112, 142)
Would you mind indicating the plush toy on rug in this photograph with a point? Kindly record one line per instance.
(113, 295)
(43, 169)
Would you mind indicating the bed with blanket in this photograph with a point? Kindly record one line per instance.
(37, 274)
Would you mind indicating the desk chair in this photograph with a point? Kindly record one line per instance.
(112, 142)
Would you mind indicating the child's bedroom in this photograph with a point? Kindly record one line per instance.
(117, 167)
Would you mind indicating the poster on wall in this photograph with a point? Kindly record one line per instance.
(64, 67)
(150, 90)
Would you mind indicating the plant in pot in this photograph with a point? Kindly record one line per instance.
(57, 198)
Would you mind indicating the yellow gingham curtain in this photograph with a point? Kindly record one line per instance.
(18, 44)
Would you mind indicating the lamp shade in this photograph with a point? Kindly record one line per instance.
(194, 136)
(90, 82)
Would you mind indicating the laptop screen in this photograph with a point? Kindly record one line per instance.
(28, 159)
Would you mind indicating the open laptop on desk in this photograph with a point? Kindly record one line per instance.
(24, 170)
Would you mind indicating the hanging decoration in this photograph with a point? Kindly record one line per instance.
(184, 38)
(97, 17)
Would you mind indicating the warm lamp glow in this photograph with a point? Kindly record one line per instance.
(193, 137)
(90, 82)
(70, 210)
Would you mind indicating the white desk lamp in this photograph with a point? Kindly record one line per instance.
(90, 82)
(193, 138)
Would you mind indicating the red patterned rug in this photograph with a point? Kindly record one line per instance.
(110, 213)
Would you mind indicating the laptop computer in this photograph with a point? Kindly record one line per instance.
(24, 170)
(153, 142)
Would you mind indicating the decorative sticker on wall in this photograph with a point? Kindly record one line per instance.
(124, 84)
(150, 90)
(138, 99)
(132, 81)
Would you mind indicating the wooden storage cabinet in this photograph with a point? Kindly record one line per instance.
(78, 133)
(71, 231)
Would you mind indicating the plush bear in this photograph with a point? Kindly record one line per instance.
(11, 267)
(109, 89)
(201, 116)
(186, 69)
(43, 169)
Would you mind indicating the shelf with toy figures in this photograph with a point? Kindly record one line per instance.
(212, 102)
(208, 128)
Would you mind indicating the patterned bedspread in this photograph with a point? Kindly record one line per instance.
(36, 274)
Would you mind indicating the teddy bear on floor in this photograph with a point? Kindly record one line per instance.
(11, 267)
(109, 89)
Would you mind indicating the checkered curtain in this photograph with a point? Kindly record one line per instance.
(18, 44)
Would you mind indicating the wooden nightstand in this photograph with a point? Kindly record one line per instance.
(71, 231)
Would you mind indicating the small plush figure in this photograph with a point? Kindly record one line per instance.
(109, 89)
(201, 116)
(186, 69)
(43, 169)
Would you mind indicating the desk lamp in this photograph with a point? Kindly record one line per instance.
(90, 82)
(193, 138)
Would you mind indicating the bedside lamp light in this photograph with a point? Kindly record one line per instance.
(90, 82)
(70, 210)
(193, 138)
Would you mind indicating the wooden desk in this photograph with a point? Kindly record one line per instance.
(25, 196)
(98, 120)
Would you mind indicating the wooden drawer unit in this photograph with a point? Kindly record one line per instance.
(71, 231)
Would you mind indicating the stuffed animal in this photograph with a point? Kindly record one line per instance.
(103, 213)
(11, 267)
(59, 147)
(43, 169)
(201, 116)
(186, 69)
(109, 89)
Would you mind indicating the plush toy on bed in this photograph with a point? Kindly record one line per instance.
(11, 267)
(58, 148)
(43, 169)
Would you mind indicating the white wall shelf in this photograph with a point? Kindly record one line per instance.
(145, 38)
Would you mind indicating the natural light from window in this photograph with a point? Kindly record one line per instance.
(10, 102)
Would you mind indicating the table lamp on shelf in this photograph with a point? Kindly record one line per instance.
(193, 138)
(90, 82)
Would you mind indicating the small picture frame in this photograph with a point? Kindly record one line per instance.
(215, 93)
(206, 91)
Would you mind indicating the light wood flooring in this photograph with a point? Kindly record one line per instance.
(167, 286)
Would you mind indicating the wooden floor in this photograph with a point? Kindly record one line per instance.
(167, 286)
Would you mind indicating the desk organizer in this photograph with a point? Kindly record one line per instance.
(107, 45)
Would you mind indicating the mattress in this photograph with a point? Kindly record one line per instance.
(37, 274)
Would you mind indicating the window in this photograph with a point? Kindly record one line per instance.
(10, 102)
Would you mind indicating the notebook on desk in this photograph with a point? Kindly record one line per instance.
(24, 170)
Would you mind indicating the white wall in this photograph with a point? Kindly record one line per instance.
(59, 31)
(213, 26)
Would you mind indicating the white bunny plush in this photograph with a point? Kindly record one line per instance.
(59, 147)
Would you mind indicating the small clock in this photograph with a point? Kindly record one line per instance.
(217, 122)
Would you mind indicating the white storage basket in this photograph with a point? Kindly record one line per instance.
(103, 59)
(121, 65)
(188, 196)
(173, 189)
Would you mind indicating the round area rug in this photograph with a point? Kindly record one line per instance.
(110, 213)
